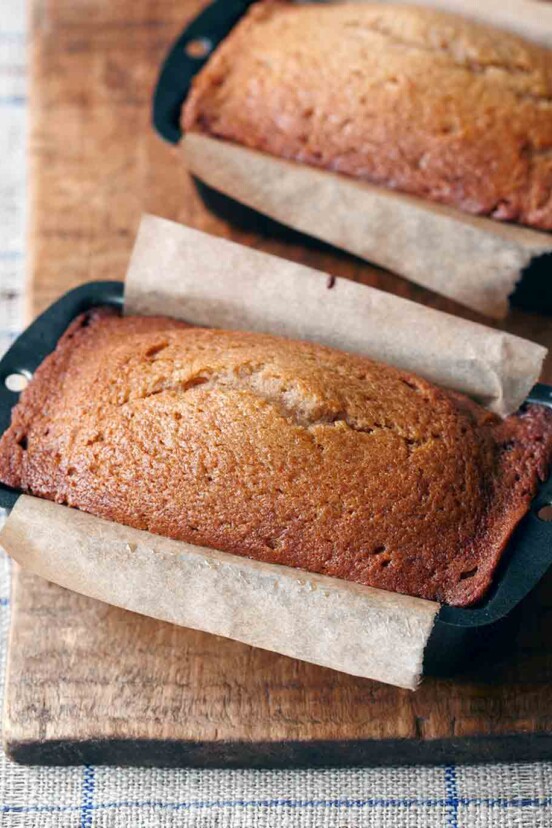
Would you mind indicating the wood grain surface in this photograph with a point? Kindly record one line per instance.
(88, 682)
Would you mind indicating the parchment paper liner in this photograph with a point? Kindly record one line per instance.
(476, 261)
(211, 281)
(359, 630)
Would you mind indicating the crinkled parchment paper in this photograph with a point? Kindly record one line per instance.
(214, 282)
(359, 630)
(476, 261)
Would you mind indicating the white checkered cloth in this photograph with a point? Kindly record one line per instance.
(497, 796)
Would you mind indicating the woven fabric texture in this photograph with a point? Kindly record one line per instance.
(491, 796)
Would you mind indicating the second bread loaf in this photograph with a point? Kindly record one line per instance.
(409, 98)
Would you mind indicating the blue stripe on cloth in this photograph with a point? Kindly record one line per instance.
(10, 255)
(38, 809)
(4, 602)
(451, 789)
(87, 803)
(13, 100)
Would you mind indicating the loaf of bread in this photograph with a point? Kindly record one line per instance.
(283, 451)
(414, 99)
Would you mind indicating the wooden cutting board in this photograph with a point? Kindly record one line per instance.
(91, 683)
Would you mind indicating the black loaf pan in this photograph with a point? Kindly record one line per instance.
(458, 633)
(186, 57)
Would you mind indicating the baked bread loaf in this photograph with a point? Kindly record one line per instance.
(410, 98)
(287, 452)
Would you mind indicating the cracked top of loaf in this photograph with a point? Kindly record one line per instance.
(410, 98)
(283, 451)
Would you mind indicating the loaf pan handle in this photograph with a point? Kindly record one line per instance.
(541, 394)
(183, 62)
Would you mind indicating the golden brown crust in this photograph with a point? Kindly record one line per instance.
(283, 451)
(409, 98)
